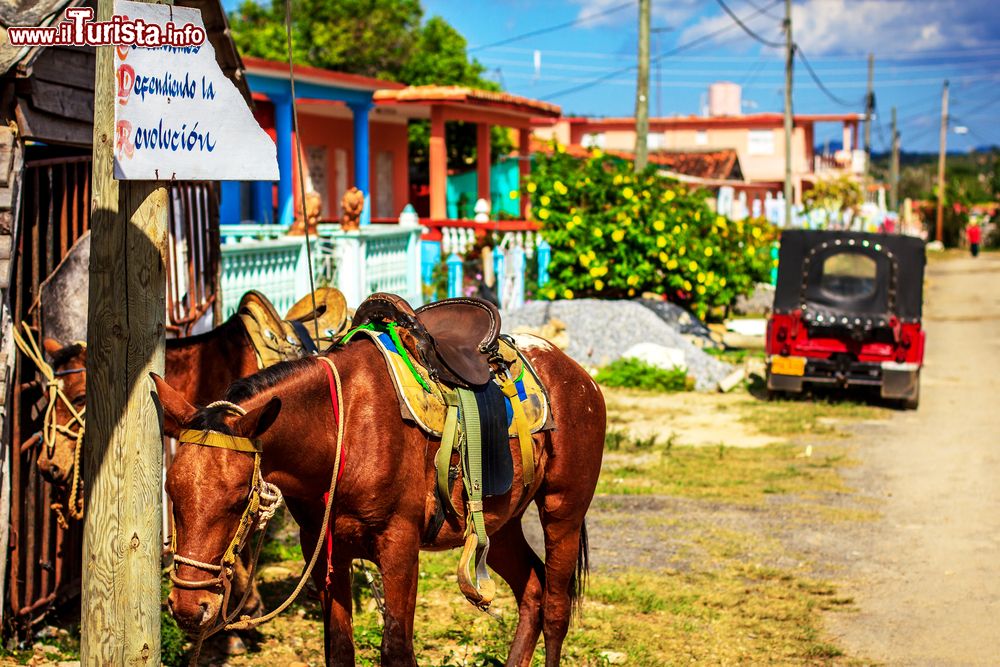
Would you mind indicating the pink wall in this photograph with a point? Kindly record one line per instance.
(337, 134)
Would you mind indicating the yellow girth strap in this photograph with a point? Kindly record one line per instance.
(523, 430)
(218, 440)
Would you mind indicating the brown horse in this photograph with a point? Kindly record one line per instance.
(385, 499)
(201, 367)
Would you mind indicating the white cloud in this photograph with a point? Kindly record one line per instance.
(855, 27)
(665, 14)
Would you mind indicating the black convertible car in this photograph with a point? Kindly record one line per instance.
(847, 313)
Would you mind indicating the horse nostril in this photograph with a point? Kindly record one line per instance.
(53, 469)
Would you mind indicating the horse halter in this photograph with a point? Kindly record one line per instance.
(263, 501)
(74, 429)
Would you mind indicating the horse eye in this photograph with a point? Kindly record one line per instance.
(79, 401)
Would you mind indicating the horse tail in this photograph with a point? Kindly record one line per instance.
(578, 583)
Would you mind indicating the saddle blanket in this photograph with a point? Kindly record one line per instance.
(427, 409)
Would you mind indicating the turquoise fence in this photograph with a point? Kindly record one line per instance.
(376, 258)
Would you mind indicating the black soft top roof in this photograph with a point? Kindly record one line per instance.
(900, 272)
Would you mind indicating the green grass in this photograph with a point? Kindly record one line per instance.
(734, 355)
(796, 418)
(636, 374)
(744, 475)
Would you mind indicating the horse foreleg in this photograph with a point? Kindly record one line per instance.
(562, 546)
(513, 559)
(398, 557)
(338, 631)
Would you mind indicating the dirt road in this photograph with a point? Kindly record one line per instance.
(927, 578)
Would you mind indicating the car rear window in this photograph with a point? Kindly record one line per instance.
(849, 275)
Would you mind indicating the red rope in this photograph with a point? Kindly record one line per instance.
(340, 471)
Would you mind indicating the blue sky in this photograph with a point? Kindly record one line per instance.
(917, 44)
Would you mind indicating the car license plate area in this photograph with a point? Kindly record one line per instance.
(788, 365)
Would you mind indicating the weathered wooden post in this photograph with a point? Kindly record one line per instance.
(122, 541)
(201, 130)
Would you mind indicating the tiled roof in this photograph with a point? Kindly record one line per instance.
(466, 95)
(279, 69)
(721, 164)
(753, 119)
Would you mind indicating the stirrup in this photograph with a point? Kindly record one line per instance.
(481, 592)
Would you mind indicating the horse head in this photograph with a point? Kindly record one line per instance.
(63, 427)
(212, 488)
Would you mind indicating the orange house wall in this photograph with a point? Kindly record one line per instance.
(392, 137)
(338, 133)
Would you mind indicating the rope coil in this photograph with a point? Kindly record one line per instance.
(74, 429)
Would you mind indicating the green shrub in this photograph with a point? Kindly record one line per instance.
(617, 234)
(636, 374)
(172, 641)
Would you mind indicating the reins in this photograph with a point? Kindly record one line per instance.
(258, 519)
(51, 427)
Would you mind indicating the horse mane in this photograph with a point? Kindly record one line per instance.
(212, 418)
(67, 353)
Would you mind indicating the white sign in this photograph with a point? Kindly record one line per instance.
(177, 116)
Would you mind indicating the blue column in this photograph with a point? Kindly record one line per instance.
(229, 207)
(262, 202)
(544, 255)
(361, 156)
(455, 277)
(499, 268)
(283, 130)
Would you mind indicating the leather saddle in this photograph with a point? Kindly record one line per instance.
(275, 339)
(453, 338)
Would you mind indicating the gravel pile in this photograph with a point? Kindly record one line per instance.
(683, 321)
(601, 331)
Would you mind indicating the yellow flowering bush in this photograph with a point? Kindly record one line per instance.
(615, 234)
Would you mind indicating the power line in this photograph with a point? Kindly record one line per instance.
(741, 24)
(678, 49)
(819, 83)
(891, 56)
(561, 26)
(971, 131)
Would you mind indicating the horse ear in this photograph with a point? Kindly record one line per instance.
(52, 346)
(177, 412)
(254, 423)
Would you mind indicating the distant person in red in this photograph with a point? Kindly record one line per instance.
(974, 234)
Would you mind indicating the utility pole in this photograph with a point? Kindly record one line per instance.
(894, 166)
(789, 56)
(122, 538)
(659, 68)
(869, 111)
(642, 90)
(939, 236)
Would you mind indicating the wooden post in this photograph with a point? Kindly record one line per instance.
(524, 165)
(642, 90)
(869, 111)
(789, 63)
(894, 166)
(122, 542)
(939, 235)
(483, 162)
